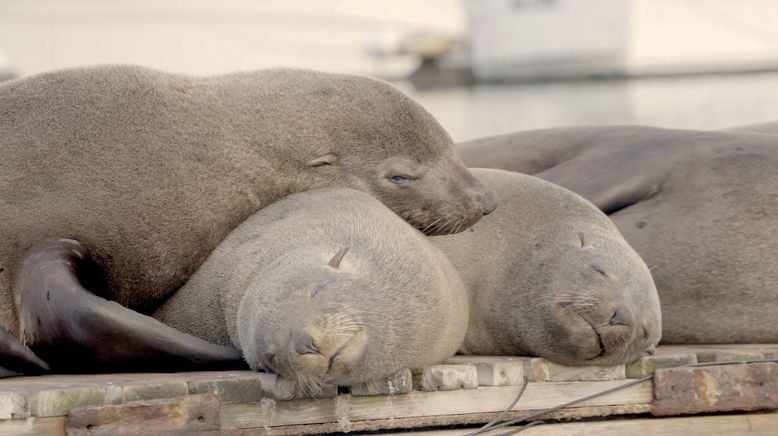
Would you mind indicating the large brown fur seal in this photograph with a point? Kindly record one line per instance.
(548, 274)
(149, 171)
(701, 208)
(325, 287)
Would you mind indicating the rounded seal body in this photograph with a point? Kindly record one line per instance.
(326, 287)
(700, 207)
(549, 275)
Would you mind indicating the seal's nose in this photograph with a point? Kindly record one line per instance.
(622, 316)
(489, 200)
(303, 344)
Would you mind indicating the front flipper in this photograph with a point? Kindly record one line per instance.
(75, 330)
(16, 359)
(611, 166)
(611, 181)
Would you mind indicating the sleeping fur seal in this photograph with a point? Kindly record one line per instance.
(701, 208)
(149, 171)
(549, 275)
(325, 287)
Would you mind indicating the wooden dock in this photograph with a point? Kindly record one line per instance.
(734, 387)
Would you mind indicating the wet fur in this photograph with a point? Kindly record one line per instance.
(700, 207)
(271, 275)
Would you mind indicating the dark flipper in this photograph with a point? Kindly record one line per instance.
(611, 181)
(611, 166)
(16, 359)
(75, 330)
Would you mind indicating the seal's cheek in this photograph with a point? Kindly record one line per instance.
(347, 358)
(575, 339)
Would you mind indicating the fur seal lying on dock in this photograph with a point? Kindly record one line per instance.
(325, 287)
(149, 171)
(549, 275)
(701, 208)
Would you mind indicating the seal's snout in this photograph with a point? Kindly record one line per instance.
(598, 328)
(303, 344)
(488, 200)
(622, 316)
(316, 356)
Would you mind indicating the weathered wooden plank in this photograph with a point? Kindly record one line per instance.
(33, 426)
(345, 408)
(545, 371)
(446, 378)
(494, 371)
(13, 405)
(713, 425)
(648, 364)
(398, 383)
(190, 413)
(679, 391)
(357, 427)
(735, 348)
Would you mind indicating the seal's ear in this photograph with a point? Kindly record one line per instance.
(337, 258)
(327, 159)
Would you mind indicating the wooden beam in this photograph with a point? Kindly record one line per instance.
(33, 426)
(713, 425)
(346, 409)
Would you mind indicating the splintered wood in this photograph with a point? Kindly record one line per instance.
(464, 391)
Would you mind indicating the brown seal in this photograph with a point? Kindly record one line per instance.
(699, 207)
(149, 171)
(549, 275)
(326, 287)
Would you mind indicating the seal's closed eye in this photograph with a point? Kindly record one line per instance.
(327, 159)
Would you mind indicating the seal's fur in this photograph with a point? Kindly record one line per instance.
(326, 286)
(549, 275)
(149, 171)
(700, 207)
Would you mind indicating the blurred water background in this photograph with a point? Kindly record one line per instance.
(487, 66)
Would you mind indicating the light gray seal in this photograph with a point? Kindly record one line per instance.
(549, 275)
(701, 208)
(326, 287)
(149, 171)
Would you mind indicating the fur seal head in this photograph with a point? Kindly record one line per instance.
(314, 335)
(382, 142)
(603, 309)
(326, 287)
(336, 322)
(549, 275)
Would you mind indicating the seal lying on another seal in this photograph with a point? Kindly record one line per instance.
(325, 287)
(150, 171)
(549, 275)
(701, 208)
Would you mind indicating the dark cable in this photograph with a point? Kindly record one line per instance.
(499, 417)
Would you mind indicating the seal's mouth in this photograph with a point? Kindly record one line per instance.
(443, 220)
(602, 349)
(444, 225)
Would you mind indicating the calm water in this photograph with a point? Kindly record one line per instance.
(701, 102)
